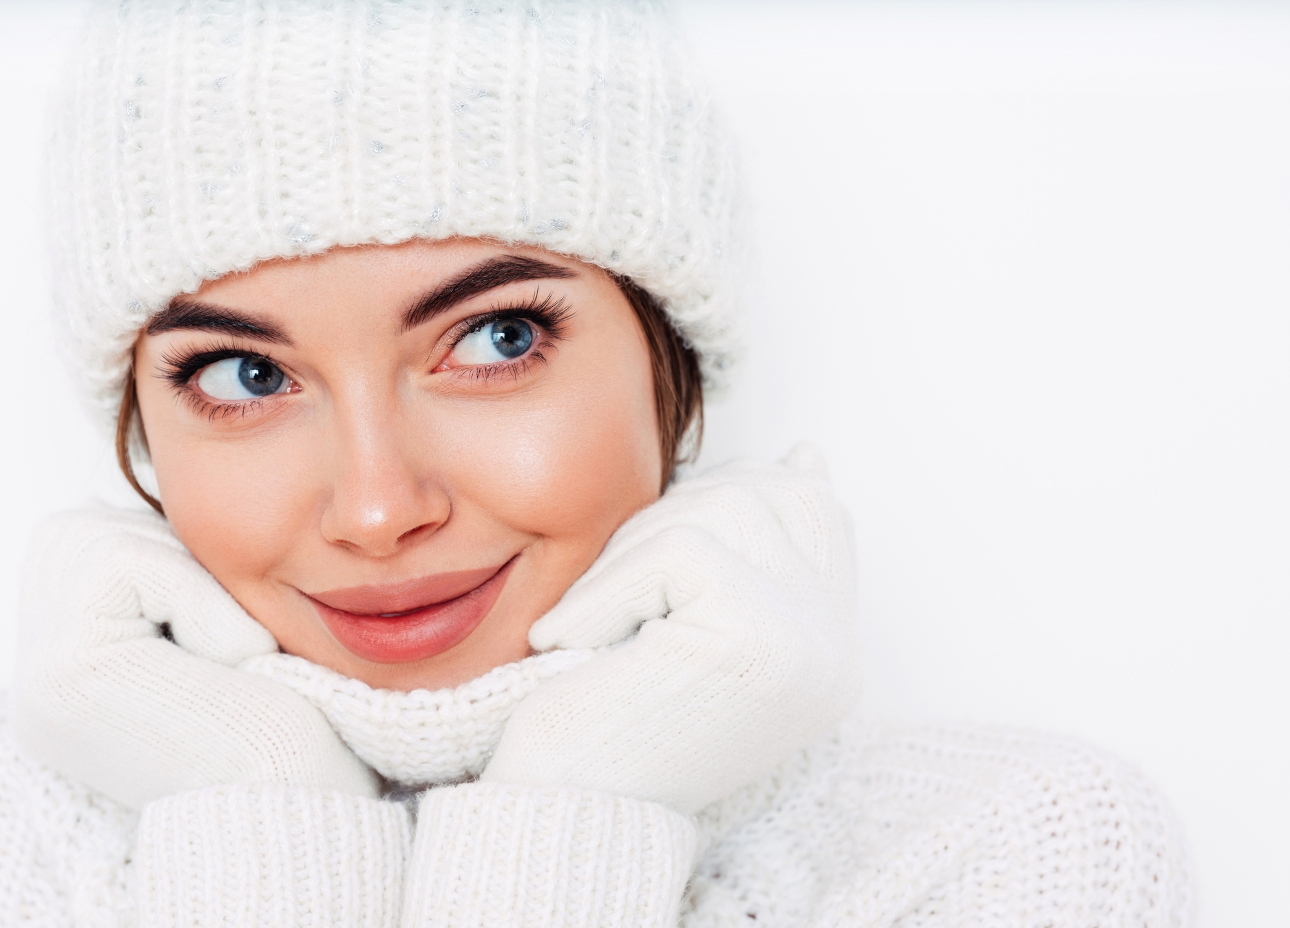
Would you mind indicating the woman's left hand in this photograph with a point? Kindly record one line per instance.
(737, 589)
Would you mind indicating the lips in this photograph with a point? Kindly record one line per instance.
(403, 622)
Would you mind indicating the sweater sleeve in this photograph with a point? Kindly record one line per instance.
(942, 827)
(520, 857)
(270, 855)
(64, 849)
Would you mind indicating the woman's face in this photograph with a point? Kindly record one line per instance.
(397, 458)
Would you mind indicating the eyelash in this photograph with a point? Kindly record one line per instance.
(179, 370)
(551, 316)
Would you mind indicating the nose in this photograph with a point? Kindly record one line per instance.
(384, 493)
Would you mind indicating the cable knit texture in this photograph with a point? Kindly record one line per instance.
(200, 138)
(933, 827)
(547, 858)
(283, 856)
(425, 736)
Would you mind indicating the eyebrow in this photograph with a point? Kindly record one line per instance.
(207, 317)
(489, 275)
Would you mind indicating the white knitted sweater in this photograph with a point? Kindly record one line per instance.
(872, 826)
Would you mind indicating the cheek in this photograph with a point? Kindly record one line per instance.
(240, 508)
(569, 466)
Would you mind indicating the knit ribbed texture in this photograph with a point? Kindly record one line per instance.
(271, 855)
(424, 736)
(197, 139)
(936, 828)
(940, 828)
(65, 850)
(512, 857)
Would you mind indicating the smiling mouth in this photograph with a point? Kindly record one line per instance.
(401, 623)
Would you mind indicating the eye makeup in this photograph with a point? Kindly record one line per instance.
(549, 315)
(182, 369)
(179, 368)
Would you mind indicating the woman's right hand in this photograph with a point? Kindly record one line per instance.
(104, 697)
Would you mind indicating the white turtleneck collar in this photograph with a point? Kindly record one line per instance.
(423, 737)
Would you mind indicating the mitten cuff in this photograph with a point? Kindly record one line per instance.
(271, 855)
(521, 857)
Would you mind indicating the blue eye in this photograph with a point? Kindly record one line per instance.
(245, 378)
(500, 340)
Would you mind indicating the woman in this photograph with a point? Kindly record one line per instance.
(412, 307)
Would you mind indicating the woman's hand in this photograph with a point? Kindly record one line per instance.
(105, 698)
(738, 587)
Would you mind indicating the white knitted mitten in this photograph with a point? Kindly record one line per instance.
(103, 697)
(738, 589)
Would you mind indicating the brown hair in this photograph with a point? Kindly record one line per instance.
(678, 395)
(678, 383)
(128, 424)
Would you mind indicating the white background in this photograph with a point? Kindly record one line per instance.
(1024, 273)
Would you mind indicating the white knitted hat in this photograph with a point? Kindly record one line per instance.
(198, 137)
